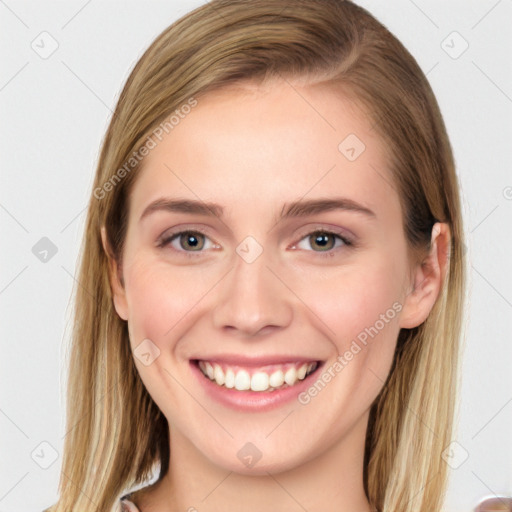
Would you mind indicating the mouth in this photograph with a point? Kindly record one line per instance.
(261, 379)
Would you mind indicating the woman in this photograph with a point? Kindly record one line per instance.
(272, 275)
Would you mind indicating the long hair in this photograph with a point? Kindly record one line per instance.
(116, 435)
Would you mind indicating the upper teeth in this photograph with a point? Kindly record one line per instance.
(260, 380)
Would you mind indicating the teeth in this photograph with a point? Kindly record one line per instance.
(209, 370)
(230, 379)
(301, 372)
(218, 375)
(259, 381)
(276, 379)
(290, 376)
(242, 380)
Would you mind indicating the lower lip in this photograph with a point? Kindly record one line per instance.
(252, 401)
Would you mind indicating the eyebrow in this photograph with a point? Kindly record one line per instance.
(290, 210)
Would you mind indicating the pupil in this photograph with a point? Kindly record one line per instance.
(192, 241)
(322, 240)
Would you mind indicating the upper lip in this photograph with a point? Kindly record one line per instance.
(255, 361)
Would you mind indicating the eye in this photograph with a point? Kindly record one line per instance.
(189, 242)
(186, 242)
(325, 240)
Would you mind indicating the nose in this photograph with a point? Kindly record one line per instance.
(253, 300)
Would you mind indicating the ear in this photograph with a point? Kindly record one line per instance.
(428, 278)
(116, 282)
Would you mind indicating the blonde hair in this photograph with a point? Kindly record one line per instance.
(116, 435)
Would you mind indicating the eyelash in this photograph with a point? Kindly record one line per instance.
(190, 254)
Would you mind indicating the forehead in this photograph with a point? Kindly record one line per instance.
(266, 144)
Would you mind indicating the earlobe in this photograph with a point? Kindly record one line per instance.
(428, 279)
(116, 286)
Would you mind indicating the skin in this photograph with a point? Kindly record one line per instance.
(251, 149)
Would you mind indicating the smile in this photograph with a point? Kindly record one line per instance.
(265, 378)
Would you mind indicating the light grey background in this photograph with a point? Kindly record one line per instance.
(54, 113)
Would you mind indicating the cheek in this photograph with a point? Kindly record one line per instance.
(157, 300)
(351, 302)
(160, 304)
(356, 299)
(360, 309)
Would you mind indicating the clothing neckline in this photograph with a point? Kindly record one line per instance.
(128, 506)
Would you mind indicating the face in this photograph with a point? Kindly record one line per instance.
(259, 287)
